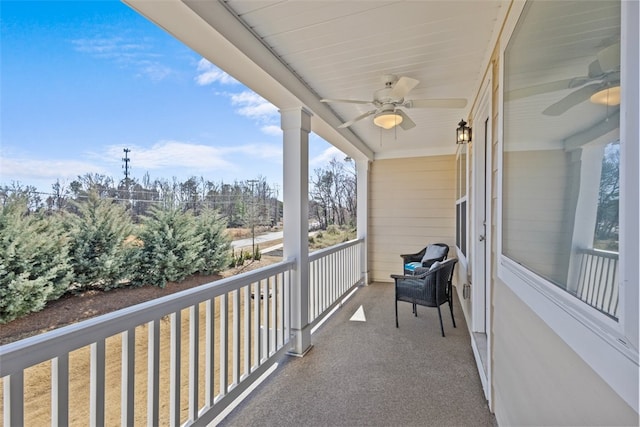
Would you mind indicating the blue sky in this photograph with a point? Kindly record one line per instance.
(81, 81)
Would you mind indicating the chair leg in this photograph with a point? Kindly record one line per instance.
(396, 313)
(440, 316)
(451, 308)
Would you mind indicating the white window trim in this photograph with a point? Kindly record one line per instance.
(608, 347)
(463, 258)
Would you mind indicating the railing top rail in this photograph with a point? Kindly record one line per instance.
(30, 351)
(332, 249)
(600, 253)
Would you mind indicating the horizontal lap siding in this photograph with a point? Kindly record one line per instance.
(411, 205)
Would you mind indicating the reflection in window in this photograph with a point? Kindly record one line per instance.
(561, 147)
(606, 233)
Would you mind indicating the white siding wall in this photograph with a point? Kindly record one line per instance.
(539, 380)
(411, 205)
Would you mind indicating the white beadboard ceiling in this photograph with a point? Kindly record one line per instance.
(341, 49)
(294, 53)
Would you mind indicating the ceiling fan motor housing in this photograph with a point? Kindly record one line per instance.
(383, 97)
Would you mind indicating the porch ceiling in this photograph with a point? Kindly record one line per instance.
(295, 53)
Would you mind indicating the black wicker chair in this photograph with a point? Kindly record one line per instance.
(421, 261)
(431, 289)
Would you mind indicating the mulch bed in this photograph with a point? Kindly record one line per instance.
(73, 308)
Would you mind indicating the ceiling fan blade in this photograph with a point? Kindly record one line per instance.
(403, 86)
(349, 101)
(609, 58)
(574, 98)
(539, 89)
(437, 103)
(360, 117)
(406, 123)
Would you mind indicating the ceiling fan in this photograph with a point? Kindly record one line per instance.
(388, 100)
(601, 84)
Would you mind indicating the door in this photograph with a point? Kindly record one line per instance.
(480, 236)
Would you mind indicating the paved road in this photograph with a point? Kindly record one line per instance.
(242, 243)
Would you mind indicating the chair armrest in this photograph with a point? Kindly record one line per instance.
(417, 276)
(407, 258)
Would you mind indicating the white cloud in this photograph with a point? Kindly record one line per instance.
(124, 53)
(209, 73)
(261, 151)
(326, 156)
(253, 106)
(27, 169)
(272, 130)
(175, 154)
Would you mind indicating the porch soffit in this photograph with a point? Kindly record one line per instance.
(295, 53)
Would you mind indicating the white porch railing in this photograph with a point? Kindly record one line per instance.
(232, 336)
(333, 272)
(178, 360)
(598, 280)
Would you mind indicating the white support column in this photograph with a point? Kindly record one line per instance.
(362, 180)
(296, 125)
(584, 227)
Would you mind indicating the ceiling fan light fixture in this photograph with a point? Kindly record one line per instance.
(387, 119)
(609, 96)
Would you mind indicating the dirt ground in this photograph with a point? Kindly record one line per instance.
(75, 308)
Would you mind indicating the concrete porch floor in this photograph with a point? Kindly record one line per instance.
(368, 373)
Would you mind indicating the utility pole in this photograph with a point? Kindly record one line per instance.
(126, 161)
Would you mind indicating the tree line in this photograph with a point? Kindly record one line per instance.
(332, 196)
(96, 234)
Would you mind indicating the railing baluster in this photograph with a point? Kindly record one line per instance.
(13, 399)
(127, 398)
(96, 393)
(256, 323)
(264, 284)
(194, 359)
(247, 330)
(278, 296)
(601, 284)
(59, 390)
(153, 374)
(236, 337)
(224, 344)
(272, 301)
(210, 351)
(174, 369)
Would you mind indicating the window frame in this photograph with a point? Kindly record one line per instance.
(609, 347)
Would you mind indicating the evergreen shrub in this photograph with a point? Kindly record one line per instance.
(100, 252)
(34, 261)
(216, 244)
(171, 248)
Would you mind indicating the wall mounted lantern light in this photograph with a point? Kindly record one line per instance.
(463, 133)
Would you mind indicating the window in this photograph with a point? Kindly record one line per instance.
(552, 202)
(561, 148)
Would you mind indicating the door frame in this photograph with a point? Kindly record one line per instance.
(481, 225)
